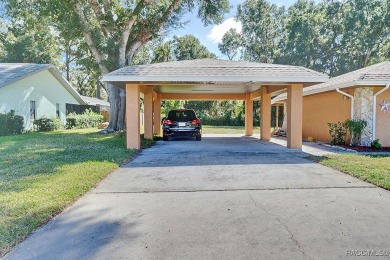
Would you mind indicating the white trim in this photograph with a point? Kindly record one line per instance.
(352, 101)
(57, 74)
(349, 84)
(374, 116)
(228, 79)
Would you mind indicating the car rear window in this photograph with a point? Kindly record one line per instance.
(181, 115)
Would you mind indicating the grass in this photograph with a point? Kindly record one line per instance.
(374, 168)
(42, 173)
(208, 129)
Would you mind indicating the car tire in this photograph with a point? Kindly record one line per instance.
(165, 138)
(198, 138)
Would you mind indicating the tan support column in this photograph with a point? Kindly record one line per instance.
(132, 117)
(294, 116)
(277, 116)
(265, 117)
(157, 115)
(248, 116)
(148, 114)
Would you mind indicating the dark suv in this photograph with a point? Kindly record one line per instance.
(181, 122)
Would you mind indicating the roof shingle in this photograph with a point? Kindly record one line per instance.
(375, 74)
(211, 69)
(11, 72)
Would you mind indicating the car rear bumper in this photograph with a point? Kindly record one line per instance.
(182, 132)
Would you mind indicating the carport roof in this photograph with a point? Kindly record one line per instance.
(214, 71)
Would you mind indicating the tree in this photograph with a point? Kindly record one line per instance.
(299, 46)
(115, 30)
(27, 41)
(231, 43)
(366, 30)
(189, 47)
(262, 25)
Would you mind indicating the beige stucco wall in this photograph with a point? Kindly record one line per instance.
(383, 119)
(318, 110)
(44, 89)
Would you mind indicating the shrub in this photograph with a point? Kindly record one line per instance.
(355, 128)
(11, 124)
(225, 120)
(376, 144)
(86, 120)
(44, 124)
(338, 133)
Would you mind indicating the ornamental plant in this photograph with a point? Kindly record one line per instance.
(338, 133)
(355, 128)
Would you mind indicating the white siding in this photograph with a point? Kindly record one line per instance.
(44, 89)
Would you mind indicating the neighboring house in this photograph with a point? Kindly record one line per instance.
(361, 94)
(100, 105)
(34, 91)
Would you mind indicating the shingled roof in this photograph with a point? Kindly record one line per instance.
(12, 72)
(214, 70)
(375, 75)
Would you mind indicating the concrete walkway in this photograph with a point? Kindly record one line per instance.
(221, 198)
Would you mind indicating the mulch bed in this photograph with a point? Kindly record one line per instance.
(363, 149)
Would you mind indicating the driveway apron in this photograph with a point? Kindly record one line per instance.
(221, 198)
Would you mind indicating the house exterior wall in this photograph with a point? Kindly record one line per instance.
(44, 89)
(383, 120)
(320, 109)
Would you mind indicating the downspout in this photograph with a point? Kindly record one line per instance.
(374, 116)
(352, 101)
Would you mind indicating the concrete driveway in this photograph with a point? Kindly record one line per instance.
(221, 198)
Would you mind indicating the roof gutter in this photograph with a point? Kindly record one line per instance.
(352, 101)
(374, 117)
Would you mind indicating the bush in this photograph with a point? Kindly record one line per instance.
(225, 120)
(355, 128)
(338, 133)
(376, 144)
(44, 124)
(86, 120)
(11, 124)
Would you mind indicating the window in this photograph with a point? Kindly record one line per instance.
(33, 110)
(58, 110)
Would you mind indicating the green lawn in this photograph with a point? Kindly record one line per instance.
(373, 169)
(208, 129)
(42, 173)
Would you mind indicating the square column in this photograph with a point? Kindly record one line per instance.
(265, 115)
(148, 114)
(157, 115)
(133, 140)
(248, 115)
(294, 116)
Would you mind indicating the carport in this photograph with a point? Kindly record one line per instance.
(212, 79)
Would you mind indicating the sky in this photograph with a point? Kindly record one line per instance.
(211, 35)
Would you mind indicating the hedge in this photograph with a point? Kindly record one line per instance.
(86, 120)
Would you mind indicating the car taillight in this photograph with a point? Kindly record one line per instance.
(167, 122)
(196, 121)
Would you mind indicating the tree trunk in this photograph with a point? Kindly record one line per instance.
(113, 98)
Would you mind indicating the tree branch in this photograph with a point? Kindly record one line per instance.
(88, 39)
(127, 27)
(145, 37)
(99, 16)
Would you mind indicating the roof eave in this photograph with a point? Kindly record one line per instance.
(244, 79)
(57, 74)
(340, 86)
